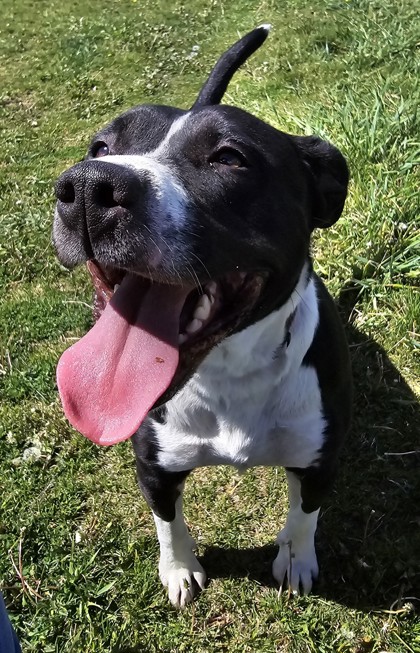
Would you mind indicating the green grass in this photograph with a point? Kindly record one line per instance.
(78, 554)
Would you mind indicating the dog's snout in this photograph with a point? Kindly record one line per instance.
(96, 193)
(66, 192)
(103, 195)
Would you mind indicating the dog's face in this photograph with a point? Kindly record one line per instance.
(161, 187)
(204, 218)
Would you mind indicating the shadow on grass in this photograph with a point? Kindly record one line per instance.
(368, 537)
(138, 648)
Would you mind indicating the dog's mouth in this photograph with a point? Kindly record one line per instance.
(148, 339)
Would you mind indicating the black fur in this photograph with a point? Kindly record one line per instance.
(214, 88)
(159, 487)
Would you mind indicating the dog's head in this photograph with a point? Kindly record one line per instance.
(202, 218)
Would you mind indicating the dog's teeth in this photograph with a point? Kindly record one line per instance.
(193, 326)
(117, 285)
(202, 310)
(212, 287)
(182, 337)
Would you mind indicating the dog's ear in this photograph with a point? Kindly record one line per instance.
(215, 86)
(329, 176)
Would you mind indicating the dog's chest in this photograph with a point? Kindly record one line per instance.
(251, 402)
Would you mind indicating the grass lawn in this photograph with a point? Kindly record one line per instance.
(78, 553)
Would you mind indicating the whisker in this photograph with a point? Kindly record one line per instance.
(201, 263)
(194, 277)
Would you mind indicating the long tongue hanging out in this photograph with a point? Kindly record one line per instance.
(110, 379)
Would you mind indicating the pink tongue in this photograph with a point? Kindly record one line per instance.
(110, 379)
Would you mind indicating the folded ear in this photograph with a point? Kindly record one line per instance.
(329, 177)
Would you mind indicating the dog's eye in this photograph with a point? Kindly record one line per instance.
(100, 149)
(229, 157)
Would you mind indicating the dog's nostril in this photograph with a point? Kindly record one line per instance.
(67, 194)
(103, 195)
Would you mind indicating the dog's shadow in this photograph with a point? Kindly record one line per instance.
(368, 537)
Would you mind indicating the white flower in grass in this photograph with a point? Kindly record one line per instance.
(194, 52)
(31, 455)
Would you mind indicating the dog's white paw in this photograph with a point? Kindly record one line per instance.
(297, 563)
(183, 579)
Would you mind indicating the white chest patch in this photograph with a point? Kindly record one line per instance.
(251, 402)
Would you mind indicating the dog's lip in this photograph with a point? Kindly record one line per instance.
(102, 283)
(105, 277)
(231, 296)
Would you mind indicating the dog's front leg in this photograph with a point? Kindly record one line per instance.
(296, 559)
(179, 569)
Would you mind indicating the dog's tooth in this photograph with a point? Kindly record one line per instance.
(211, 287)
(193, 326)
(182, 337)
(202, 310)
(117, 285)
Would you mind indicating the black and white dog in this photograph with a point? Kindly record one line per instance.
(215, 342)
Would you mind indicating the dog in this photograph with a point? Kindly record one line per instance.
(215, 342)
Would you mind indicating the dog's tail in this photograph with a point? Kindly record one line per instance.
(215, 86)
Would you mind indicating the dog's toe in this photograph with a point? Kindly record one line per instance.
(295, 570)
(183, 581)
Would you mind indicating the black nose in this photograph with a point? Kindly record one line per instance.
(96, 195)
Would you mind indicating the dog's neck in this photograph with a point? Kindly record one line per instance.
(269, 338)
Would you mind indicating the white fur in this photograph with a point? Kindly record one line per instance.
(169, 198)
(176, 126)
(251, 402)
(265, 26)
(179, 569)
(296, 558)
